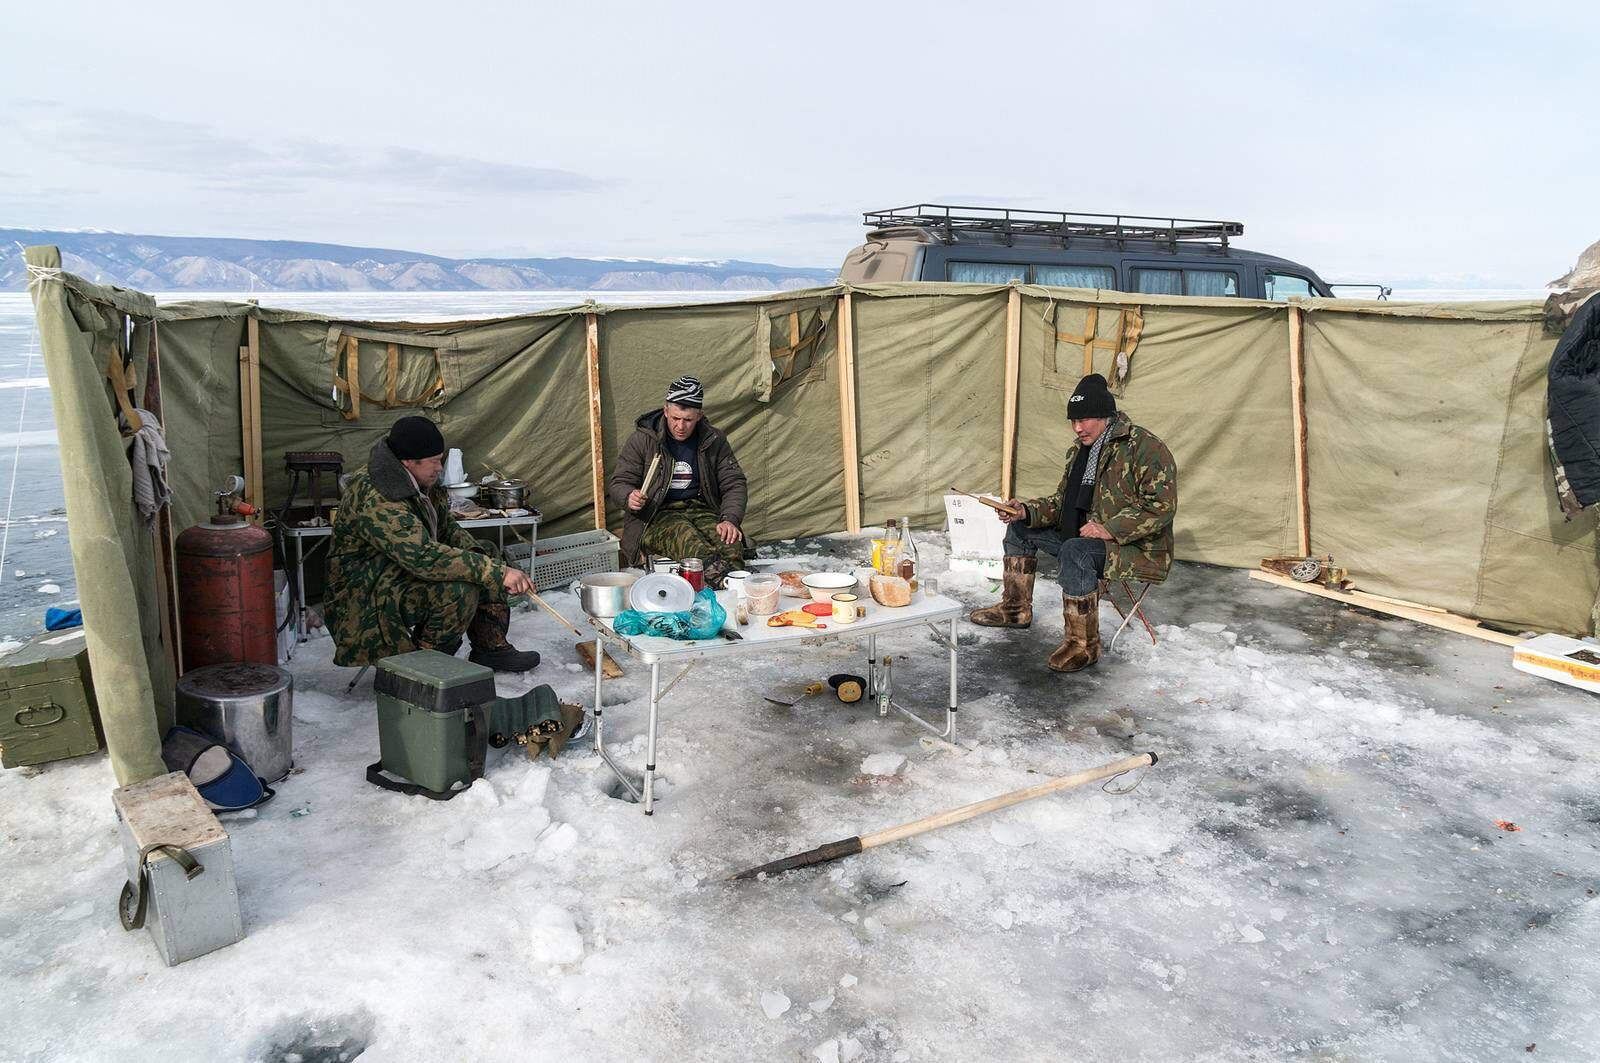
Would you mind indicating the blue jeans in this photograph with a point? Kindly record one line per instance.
(1082, 560)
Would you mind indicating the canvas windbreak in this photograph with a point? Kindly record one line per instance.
(1426, 472)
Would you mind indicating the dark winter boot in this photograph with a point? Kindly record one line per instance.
(1016, 599)
(1081, 645)
(489, 646)
(506, 658)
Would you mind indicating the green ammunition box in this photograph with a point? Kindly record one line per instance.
(47, 706)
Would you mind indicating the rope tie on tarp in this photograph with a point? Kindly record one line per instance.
(42, 273)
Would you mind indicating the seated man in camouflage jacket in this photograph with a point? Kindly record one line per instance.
(403, 575)
(1111, 518)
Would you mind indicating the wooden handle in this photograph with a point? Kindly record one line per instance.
(650, 473)
(1015, 797)
(551, 610)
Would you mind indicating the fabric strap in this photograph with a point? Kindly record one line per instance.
(135, 898)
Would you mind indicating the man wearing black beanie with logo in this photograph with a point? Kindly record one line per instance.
(403, 575)
(1110, 518)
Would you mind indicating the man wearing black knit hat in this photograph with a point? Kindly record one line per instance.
(679, 486)
(1111, 518)
(403, 575)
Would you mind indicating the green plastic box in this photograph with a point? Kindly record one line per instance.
(47, 706)
(432, 721)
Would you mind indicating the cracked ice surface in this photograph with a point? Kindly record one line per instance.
(1313, 870)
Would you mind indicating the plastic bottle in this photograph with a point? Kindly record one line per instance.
(889, 553)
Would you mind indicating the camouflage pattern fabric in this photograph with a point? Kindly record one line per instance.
(689, 529)
(403, 575)
(1135, 499)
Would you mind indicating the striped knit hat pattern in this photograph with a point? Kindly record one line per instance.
(686, 391)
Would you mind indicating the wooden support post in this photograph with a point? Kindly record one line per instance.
(596, 450)
(250, 414)
(1008, 427)
(1297, 396)
(847, 414)
(166, 576)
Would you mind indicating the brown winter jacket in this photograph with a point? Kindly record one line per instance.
(722, 481)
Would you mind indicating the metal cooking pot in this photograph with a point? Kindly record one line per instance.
(503, 494)
(605, 594)
(465, 491)
(247, 707)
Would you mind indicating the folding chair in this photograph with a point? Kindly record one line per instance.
(1135, 608)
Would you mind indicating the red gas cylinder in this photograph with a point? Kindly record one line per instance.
(225, 601)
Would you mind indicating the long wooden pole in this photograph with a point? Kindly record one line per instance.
(250, 413)
(847, 414)
(851, 846)
(1008, 427)
(596, 449)
(162, 534)
(1297, 395)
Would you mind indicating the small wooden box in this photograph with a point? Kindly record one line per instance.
(186, 917)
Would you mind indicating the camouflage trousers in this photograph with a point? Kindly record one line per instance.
(689, 529)
(436, 615)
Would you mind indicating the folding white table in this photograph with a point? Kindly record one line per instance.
(757, 637)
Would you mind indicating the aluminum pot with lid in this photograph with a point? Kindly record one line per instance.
(503, 494)
(605, 594)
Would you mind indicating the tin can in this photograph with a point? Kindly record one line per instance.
(693, 570)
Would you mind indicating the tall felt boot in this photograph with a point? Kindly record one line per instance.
(1016, 599)
(489, 646)
(1081, 646)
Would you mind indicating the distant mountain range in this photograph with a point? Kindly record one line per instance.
(213, 264)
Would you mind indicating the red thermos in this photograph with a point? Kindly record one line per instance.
(225, 600)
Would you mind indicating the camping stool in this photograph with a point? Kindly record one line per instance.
(1135, 608)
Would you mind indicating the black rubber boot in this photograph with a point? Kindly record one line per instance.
(505, 659)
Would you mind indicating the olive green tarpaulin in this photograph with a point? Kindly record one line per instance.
(1428, 474)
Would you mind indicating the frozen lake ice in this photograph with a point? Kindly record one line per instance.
(1313, 870)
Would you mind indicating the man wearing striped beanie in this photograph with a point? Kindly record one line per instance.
(680, 487)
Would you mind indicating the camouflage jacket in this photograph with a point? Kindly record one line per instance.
(387, 535)
(1135, 499)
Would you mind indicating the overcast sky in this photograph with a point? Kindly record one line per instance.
(1452, 142)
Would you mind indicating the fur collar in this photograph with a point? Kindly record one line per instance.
(388, 475)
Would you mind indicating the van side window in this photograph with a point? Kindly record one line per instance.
(1075, 276)
(1281, 286)
(1211, 282)
(987, 272)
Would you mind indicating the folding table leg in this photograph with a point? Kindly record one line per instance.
(599, 730)
(650, 751)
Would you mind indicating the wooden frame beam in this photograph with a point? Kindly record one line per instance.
(1421, 614)
(250, 415)
(1297, 396)
(1008, 426)
(847, 414)
(596, 444)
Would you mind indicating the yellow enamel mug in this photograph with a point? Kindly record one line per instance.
(844, 608)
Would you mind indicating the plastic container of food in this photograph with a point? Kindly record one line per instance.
(761, 593)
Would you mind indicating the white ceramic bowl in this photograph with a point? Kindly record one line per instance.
(824, 585)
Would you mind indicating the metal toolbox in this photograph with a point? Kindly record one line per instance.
(189, 911)
(47, 706)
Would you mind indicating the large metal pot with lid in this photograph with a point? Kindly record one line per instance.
(605, 594)
(503, 494)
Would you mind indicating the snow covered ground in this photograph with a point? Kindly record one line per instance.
(1313, 870)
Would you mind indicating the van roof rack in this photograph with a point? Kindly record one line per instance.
(949, 221)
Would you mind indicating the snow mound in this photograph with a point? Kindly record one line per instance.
(555, 937)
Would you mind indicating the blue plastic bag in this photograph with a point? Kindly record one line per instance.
(702, 621)
(57, 619)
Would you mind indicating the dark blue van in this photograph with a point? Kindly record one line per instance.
(1122, 252)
